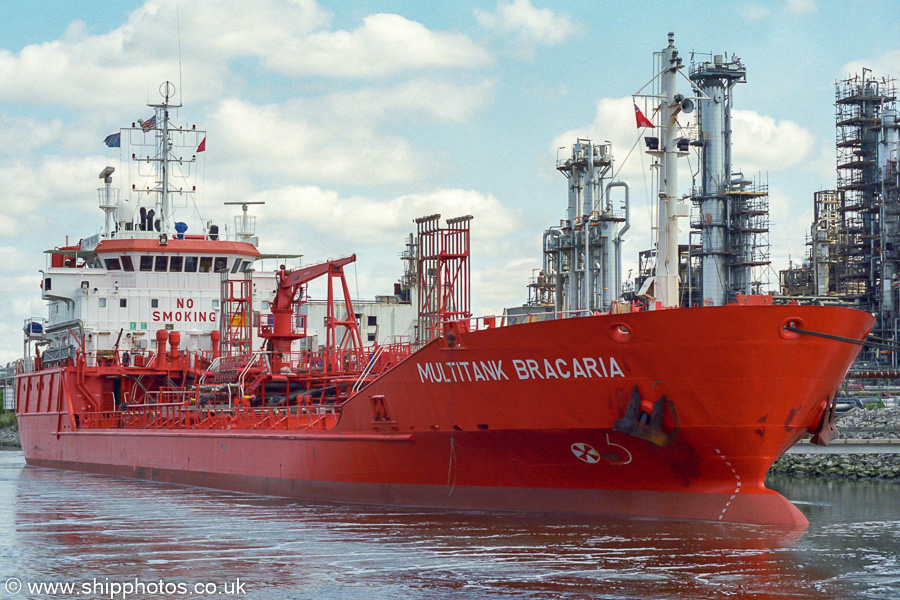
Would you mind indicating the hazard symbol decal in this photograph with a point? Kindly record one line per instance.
(586, 453)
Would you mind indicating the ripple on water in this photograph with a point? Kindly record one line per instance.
(61, 526)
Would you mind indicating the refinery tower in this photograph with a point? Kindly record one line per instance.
(727, 252)
(854, 242)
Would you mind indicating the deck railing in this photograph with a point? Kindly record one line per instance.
(189, 416)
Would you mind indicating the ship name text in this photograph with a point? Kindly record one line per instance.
(493, 370)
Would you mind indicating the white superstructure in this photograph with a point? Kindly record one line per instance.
(148, 272)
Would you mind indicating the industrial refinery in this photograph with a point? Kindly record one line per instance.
(853, 248)
(728, 250)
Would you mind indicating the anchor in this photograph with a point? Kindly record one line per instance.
(826, 431)
(636, 423)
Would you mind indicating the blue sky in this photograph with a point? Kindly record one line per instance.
(349, 119)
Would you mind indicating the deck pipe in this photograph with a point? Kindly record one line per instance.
(618, 239)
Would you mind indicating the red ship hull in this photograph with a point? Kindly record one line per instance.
(520, 417)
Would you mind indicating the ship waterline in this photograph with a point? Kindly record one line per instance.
(519, 442)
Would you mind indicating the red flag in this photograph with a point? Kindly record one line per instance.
(202, 146)
(642, 121)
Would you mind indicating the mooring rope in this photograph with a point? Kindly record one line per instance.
(839, 338)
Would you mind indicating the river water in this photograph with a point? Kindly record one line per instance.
(102, 534)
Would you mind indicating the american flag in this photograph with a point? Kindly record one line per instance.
(148, 124)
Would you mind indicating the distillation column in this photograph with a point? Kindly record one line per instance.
(886, 162)
(715, 80)
(582, 255)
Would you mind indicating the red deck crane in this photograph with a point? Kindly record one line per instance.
(289, 295)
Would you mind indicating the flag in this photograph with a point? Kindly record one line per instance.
(114, 140)
(202, 146)
(148, 124)
(642, 121)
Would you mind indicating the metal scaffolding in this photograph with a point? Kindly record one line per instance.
(732, 213)
(868, 263)
(749, 231)
(854, 254)
(826, 239)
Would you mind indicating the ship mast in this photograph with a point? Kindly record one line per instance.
(167, 90)
(669, 206)
(670, 146)
(169, 140)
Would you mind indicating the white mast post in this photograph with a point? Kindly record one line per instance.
(167, 91)
(666, 281)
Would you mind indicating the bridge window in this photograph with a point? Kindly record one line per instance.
(221, 264)
(176, 263)
(127, 263)
(206, 264)
(162, 264)
(237, 265)
(245, 266)
(112, 264)
(146, 263)
(190, 264)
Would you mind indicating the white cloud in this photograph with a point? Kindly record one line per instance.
(433, 98)
(293, 140)
(886, 65)
(755, 12)
(527, 25)
(790, 220)
(763, 144)
(236, 28)
(323, 224)
(21, 135)
(366, 220)
(36, 196)
(385, 44)
(500, 282)
(799, 7)
(761, 12)
(13, 259)
(341, 137)
(20, 298)
(824, 164)
(81, 69)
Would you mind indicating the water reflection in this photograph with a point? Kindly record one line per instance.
(63, 526)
